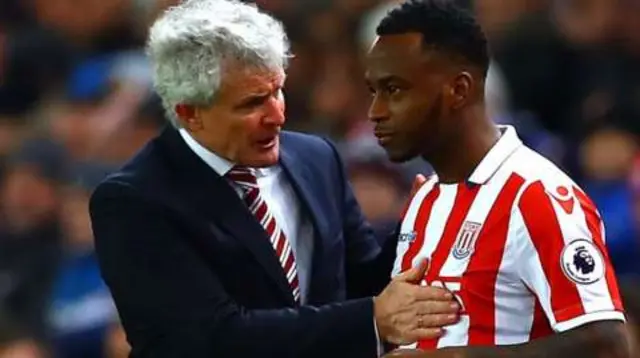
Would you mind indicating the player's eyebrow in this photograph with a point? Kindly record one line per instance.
(385, 80)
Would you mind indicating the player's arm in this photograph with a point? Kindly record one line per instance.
(603, 339)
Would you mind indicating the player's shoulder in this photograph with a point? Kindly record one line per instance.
(543, 178)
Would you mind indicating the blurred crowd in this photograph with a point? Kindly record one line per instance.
(76, 101)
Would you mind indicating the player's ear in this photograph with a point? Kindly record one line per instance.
(460, 89)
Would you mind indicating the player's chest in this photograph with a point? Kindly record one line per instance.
(464, 233)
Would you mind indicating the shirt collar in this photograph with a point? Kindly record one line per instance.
(221, 165)
(508, 143)
(216, 162)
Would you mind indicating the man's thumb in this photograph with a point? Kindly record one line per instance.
(415, 274)
(417, 184)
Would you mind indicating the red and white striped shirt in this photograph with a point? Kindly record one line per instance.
(520, 244)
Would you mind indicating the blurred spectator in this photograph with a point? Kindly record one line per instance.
(92, 26)
(381, 192)
(29, 234)
(606, 156)
(16, 343)
(103, 95)
(587, 22)
(80, 311)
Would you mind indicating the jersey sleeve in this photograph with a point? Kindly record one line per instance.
(564, 261)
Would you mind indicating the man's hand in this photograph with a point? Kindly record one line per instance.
(406, 312)
(404, 353)
(417, 184)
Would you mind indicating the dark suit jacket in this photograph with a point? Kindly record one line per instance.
(194, 275)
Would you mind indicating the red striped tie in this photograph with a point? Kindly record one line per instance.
(246, 179)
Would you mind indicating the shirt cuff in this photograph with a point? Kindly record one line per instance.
(379, 344)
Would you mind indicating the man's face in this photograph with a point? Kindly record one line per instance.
(244, 121)
(407, 105)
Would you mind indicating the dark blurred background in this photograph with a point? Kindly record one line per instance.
(76, 101)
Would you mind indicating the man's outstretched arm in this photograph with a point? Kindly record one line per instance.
(604, 339)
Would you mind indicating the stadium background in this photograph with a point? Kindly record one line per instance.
(75, 102)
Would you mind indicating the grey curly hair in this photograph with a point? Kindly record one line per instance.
(191, 42)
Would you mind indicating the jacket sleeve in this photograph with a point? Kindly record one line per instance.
(369, 258)
(172, 304)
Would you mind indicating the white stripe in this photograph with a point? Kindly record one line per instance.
(532, 271)
(595, 297)
(266, 220)
(274, 236)
(286, 250)
(409, 346)
(588, 318)
(440, 213)
(515, 305)
(292, 273)
(246, 184)
(458, 334)
(406, 227)
(256, 205)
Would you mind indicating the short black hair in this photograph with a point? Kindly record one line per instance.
(447, 25)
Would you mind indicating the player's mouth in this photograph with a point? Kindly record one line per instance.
(383, 137)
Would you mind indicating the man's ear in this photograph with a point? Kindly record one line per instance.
(188, 117)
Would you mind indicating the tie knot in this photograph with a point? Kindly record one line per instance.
(243, 176)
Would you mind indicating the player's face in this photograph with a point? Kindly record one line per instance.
(245, 119)
(407, 105)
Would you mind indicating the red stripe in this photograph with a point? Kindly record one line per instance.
(464, 199)
(541, 326)
(479, 280)
(271, 226)
(288, 262)
(280, 244)
(419, 227)
(261, 211)
(594, 223)
(543, 226)
(252, 197)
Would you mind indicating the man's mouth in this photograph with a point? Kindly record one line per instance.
(267, 143)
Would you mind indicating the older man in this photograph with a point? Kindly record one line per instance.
(225, 237)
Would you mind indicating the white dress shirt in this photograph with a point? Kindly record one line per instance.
(283, 203)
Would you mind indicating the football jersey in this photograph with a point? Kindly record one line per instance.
(520, 245)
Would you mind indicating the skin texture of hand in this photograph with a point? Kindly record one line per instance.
(406, 312)
(405, 353)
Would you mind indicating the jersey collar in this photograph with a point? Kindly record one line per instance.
(508, 143)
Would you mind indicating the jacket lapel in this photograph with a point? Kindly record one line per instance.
(212, 195)
(304, 184)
